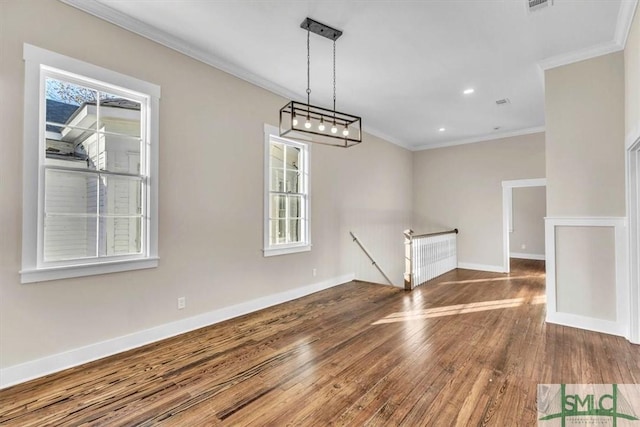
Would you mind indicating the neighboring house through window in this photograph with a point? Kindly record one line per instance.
(286, 195)
(90, 169)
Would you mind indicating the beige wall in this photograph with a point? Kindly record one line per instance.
(528, 212)
(632, 79)
(584, 104)
(461, 187)
(210, 241)
(587, 270)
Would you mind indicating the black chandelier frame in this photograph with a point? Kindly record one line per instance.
(298, 119)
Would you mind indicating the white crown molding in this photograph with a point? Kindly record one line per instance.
(490, 137)
(625, 19)
(580, 55)
(102, 11)
(623, 26)
(387, 138)
(136, 26)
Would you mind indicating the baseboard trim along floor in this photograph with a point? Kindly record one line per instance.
(58, 362)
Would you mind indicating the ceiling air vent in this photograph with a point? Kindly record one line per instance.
(503, 101)
(533, 5)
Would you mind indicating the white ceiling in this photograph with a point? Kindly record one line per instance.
(401, 65)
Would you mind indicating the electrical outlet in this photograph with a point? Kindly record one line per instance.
(182, 303)
(314, 272)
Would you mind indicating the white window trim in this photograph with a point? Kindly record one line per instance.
(269, 250)
(33, 271)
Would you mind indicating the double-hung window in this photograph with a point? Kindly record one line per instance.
(286, 195)
(90, 169)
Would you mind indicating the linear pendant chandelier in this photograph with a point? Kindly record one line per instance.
(321, 125)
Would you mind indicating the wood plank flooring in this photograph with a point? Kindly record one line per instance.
(467, 348)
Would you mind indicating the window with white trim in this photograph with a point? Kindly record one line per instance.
(90, 169)
(286, 226)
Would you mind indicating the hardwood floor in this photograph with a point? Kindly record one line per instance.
(468, 348)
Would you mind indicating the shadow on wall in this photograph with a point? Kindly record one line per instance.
(381, 233)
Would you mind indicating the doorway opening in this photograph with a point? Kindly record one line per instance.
(527, 199)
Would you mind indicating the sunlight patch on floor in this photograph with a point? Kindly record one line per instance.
(495, 279)
(450, 310)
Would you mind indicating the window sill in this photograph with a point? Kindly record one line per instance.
(55, 273)
(285, 251)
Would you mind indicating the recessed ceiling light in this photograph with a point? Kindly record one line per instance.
(441, 130)
(469, 91)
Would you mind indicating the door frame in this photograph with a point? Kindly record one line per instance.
(632, 155)
(507, 211)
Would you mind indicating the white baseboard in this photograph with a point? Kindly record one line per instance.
(588, 323)
(57, 362)
(520, 255)
(481, 267)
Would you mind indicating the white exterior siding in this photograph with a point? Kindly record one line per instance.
(77, 194)
(69, 233)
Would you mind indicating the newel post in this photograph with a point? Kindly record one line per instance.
(408, 258)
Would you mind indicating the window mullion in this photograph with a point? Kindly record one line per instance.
(287, 193)
(286, 197)
(98, 200)
(98, 215)
(287, 214)
(92, 171)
